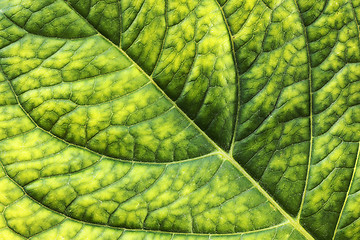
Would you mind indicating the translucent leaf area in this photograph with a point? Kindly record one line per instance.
(179, 119)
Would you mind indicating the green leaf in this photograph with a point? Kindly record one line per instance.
(162, 119)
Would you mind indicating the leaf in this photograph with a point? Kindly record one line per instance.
(179, 120)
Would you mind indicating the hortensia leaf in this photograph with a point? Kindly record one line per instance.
(174, 120)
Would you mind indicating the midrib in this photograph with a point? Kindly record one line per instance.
(226, 155)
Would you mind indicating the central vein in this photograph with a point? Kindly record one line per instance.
(227, 156)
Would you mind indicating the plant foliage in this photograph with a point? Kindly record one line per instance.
(169, 119)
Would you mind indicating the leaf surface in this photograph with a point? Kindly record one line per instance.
(185, 119)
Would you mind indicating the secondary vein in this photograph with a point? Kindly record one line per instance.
(348, 192)
(310, 111)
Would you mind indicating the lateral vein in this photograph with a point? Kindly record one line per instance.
(347, 193)
(310, 111)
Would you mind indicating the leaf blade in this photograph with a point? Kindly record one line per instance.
(269, 46)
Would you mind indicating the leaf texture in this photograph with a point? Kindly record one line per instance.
(161, 119)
